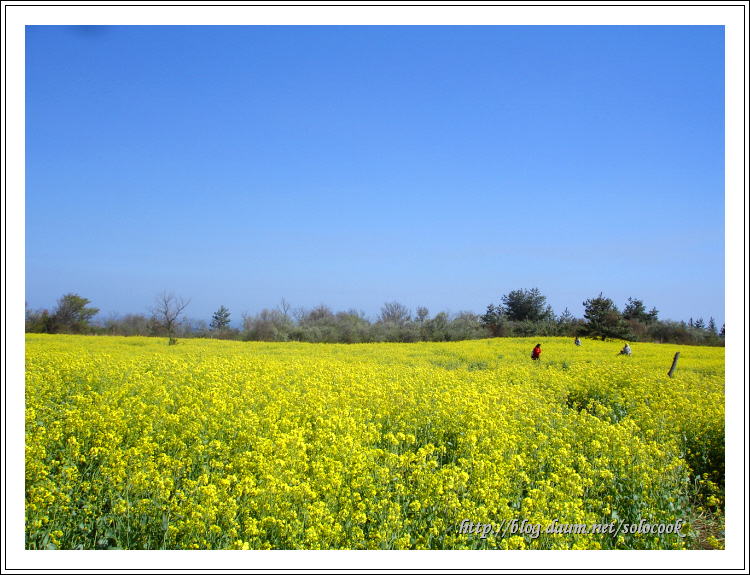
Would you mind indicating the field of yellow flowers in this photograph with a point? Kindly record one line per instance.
(134, 444)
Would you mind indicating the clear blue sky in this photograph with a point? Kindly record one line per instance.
(438, 166)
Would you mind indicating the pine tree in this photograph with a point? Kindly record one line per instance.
(566, 318)
(220, 319)
(635, 310)
(603, 320)
(699, 324)
(526, 305)
(711, 326)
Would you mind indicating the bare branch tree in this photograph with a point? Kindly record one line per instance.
(247, 321)
(112, 322)
(284, 306)
(394, 312)
(167, 310)
(299, 314)
(321, 311)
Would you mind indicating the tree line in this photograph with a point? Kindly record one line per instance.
(520, 313)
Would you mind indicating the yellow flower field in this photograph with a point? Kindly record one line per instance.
(134, 444)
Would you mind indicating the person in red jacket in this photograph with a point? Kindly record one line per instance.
(537, 351)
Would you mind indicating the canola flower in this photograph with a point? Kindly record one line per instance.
(134, 444)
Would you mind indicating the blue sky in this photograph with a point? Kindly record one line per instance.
(437, 166)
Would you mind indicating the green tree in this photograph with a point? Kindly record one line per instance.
(220, 319)
(653, 316)
(712, 327)
(437, 327)
(492, 320)
(566, 318)
(268, 325)
(465, 325)
(71, 314)
(526, 305)
(422, 323)
(567, 324)
(603, 320)
(636, 311)
(38, 321)
(699, 324)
